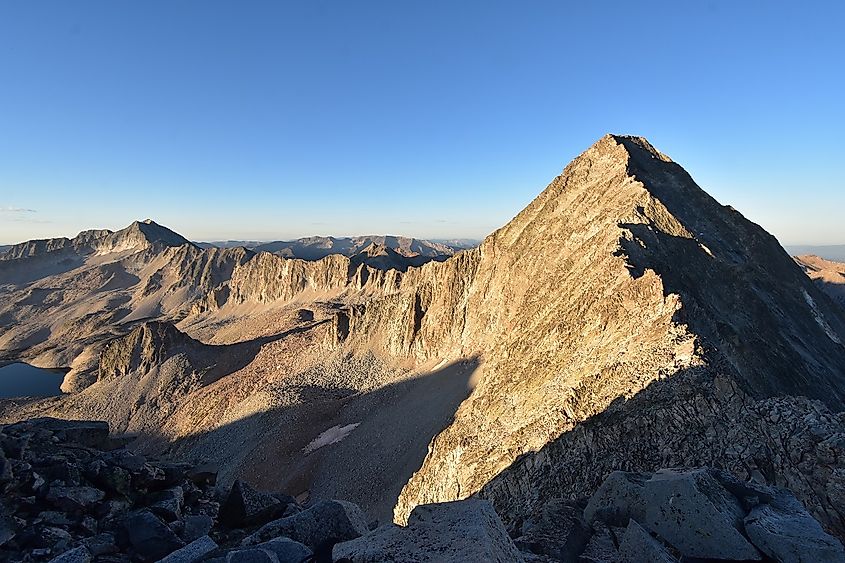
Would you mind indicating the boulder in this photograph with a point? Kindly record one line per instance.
(618, 499)
(244, 506)
(167, 504)
(5, 468)
(785, 531)
(89, 433)
(601, 547)
(74, 498)
(196, 526)
(194, 551)
(54, 518)
(174, 472)
(101, 544)
(205, 474)
(252, 555)
(638, 546)
(287, 550)
(130, 461)
(748, 493)
(150, 537)
(696, 515)
(468, 530)
(328, 521)
(76, 555)
(8, 529)
(111, 478)
(556, 530)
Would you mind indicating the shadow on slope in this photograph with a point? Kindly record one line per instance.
(229, 358)
(23, 271)
(835, 291)
(336, 442)
(689, 419)
(753, 307)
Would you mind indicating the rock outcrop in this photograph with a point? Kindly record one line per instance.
(448, 532)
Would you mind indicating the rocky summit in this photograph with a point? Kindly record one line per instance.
(526, 395)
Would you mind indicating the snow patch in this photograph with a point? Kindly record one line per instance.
(331, 436)
(819, 319)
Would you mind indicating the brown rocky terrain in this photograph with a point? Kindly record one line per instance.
(623, 320)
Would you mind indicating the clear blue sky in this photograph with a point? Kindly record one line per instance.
(263, 120)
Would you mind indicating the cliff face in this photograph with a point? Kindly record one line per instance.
(268, 278)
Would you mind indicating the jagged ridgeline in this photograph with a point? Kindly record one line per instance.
(625, 320)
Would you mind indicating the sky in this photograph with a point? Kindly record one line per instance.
(438, 119)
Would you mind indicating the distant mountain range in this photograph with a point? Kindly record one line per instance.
(314, 248)
(835, 252)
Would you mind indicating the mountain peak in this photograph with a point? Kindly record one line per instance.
(142, 234)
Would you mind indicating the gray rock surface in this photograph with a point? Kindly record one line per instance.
(167, 504)
(150, 537)
(76, 555)
(287, 550)
(245, 506)
(447, 532)
(695, 514)
(193, 551)
(556, 530)
(638, 546)
(618, 499)
(326, 521)
(786, 532)
(196, 526)
(601, 547)
(251, 555)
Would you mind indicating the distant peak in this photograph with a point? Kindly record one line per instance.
(148, 232)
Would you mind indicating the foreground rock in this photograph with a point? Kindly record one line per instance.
(700, 514)
(244, 506)
(785, 531)
(325, 522)
(696, 515)
(73, 493)
(447, 532)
